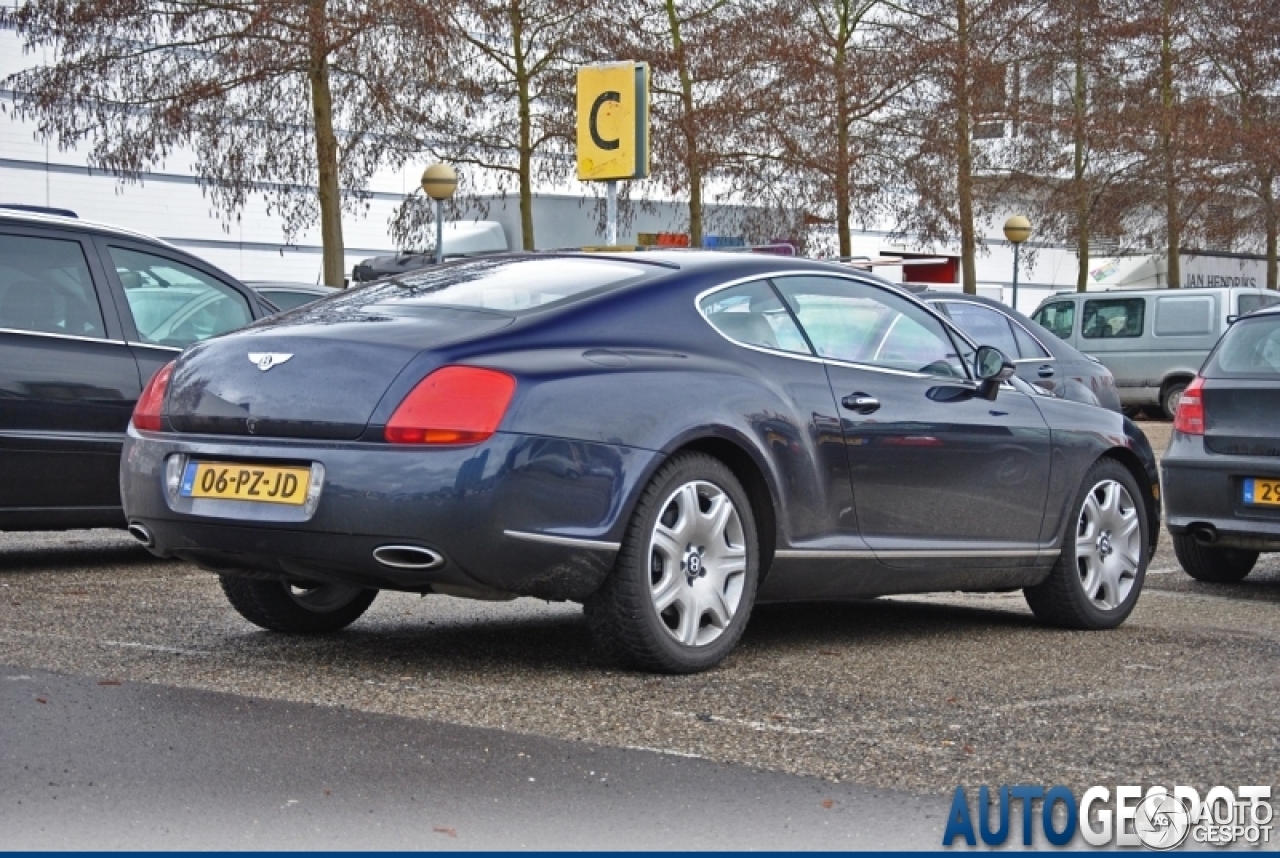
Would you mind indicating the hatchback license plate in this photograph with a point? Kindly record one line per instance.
(1262, 492)
(229, 481)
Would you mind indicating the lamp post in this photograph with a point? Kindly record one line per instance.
(1017, 229)
(439, 181)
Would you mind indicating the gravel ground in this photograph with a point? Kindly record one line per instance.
(918, 693)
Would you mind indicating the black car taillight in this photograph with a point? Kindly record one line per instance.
(149, 410)
(1189, 417)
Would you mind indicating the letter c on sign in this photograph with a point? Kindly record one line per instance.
(609, 95)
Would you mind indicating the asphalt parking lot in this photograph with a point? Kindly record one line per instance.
(916, 694)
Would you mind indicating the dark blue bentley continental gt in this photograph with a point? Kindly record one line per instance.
(668, 438)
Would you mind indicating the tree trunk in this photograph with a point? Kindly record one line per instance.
(526, 129)
(329, 191)
(1079, 104)
(844, 202)
(964, 153)
(693, 164)
(1168, 153)
(1272, 225)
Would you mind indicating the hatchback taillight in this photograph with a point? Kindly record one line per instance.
(1189, 417)
(453, 405)
(148, 411)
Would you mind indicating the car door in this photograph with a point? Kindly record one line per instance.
(937, 470)
(989, 326)
(68, 382)
(168, 302)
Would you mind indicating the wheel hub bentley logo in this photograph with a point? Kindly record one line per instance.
(265, 360)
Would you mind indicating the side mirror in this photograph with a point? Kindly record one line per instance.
(991, 366)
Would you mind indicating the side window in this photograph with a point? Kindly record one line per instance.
(174, 304)
(860, 323)
(1250, 302)
(753, 315)
(1109, 318)
(1058, 317)
(45, 287)
(1028, 346)
(987, 326)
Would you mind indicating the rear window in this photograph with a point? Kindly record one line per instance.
(1249, 303)
(1250, 348)
(507, 285)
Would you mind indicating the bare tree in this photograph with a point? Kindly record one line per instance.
(1166, 122)
(1062, 150)
(823, 134)
(503, 97)
(1241, 42)
(293, 100)
(705, 71)
(960, 96)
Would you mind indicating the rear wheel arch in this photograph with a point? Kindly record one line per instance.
(759, 491)
(1133, 465)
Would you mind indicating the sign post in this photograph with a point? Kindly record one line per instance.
(613, 130)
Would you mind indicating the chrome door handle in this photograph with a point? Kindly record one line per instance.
(1046, 371)
(861, 402)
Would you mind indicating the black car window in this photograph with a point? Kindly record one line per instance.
(852, 321)
(1251, 347)
(987, 326)
(174, 304)
(752, 314)
(45, 286)
(1108, 318)
(1028, 346)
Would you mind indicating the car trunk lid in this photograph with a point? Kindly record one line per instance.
(1240, 417)
(317, 374)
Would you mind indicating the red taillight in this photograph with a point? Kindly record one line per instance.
(453, 405)
(1190, 415)
(146, 414)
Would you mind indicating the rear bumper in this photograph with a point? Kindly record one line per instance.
(1204, 492)
(516, 515)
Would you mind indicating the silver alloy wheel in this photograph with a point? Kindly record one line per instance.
(321, 598)
(697, 563)
(1108, 544)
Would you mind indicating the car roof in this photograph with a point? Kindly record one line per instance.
(42, 219)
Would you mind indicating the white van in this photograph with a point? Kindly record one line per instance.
(1152, 340)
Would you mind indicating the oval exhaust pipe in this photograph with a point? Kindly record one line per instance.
(1205, 534)
(408, 557)
(142, 534)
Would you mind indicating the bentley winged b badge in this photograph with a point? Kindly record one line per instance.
(265, 360)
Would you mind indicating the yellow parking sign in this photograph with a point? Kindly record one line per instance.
(613, 121)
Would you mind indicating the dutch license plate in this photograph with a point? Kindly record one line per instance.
(229, 481)
(1262, 492)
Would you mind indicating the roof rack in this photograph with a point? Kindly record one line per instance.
(23, 207)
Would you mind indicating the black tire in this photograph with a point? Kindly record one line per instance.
(1170, 396)
(298, 607)
(623, 615)
(1214, 564)
(1096, 592)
